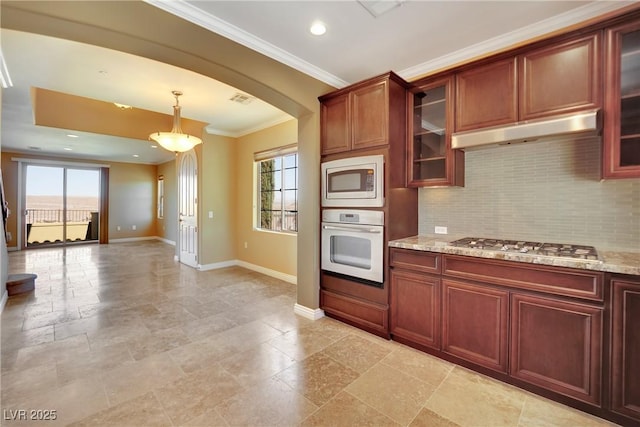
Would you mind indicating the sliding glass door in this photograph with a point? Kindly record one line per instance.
(62, 205)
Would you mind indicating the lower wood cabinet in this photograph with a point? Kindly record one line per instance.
(415, 308)
(557, 345)
(625, 360)
(475, 323)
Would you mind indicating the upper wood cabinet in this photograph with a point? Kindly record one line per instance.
(621, 147)
(431, 160)
(560, 78)
(486, 96)
(365, 115)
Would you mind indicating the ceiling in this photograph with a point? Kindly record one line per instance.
(413, 39)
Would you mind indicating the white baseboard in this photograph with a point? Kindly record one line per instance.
(162, 239)
(132, 239)
(273, 273)
(269, 272)
(309, 313)
(12, 248)
(3, 300)
(217, 265)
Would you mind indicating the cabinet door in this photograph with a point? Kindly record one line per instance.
(474, 323)
(431, 159)
(625, 356)
(415, 308)
(561, 78)
(335, 128)
(370, 116)
(557, 345)
(621, 155)
(486, 96)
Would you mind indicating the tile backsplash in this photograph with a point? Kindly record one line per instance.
(545, 191)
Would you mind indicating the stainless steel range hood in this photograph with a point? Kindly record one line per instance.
(577, 125)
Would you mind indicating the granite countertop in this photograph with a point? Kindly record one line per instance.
(611, 261)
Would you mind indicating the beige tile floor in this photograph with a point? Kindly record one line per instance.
(122, 335)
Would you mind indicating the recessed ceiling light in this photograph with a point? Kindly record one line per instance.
(68, 149)
(318, 28)
(135, 155)
(70, 135)
(123, 106)
(154, 146)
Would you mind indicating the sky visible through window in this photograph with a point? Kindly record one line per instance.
(47, 181)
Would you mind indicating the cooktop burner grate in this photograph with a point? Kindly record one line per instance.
(534, 248)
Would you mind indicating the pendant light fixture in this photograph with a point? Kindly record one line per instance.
(175, 140)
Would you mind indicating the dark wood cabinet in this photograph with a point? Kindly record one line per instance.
(475, 323)
(625, 354)
(415, 308)
(561, 78)
(336, 124)
(621, 146)
(486, 95)
(557, 345)
(363, 115)
(431, 160)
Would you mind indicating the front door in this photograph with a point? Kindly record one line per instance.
(188, 219)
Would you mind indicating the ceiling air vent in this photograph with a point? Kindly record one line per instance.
(241, 98)
(33, 147)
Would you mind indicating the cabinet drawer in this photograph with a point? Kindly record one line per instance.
(426, 262)
(553, 280)
(374, 317)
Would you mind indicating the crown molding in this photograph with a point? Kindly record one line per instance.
(213, 131)
(520, 35)
(197, 16)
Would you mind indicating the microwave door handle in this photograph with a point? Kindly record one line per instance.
(356, 230)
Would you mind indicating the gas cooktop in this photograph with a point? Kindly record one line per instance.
(534, 248)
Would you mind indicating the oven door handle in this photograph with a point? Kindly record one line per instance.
(356, 230)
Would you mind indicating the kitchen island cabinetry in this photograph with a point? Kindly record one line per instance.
(625, 354)
(362, 116)
(621, 146)
(560, 78)
(431, 160)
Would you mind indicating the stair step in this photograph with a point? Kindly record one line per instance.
(21, 283)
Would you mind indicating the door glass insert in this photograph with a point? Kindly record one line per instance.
(61, 205)
(630, 100)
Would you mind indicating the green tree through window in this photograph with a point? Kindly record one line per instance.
(278, 186)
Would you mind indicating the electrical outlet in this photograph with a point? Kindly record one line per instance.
(133, 227)
(118, 228)
(440, 230)
(210, 214)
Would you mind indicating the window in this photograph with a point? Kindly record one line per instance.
(160, 197)
(277, 194)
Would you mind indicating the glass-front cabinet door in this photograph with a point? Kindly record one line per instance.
(621, 156)
(431, 160)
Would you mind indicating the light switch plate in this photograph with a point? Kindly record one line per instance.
(441, 230)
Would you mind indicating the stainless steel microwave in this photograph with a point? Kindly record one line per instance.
(353, 182)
